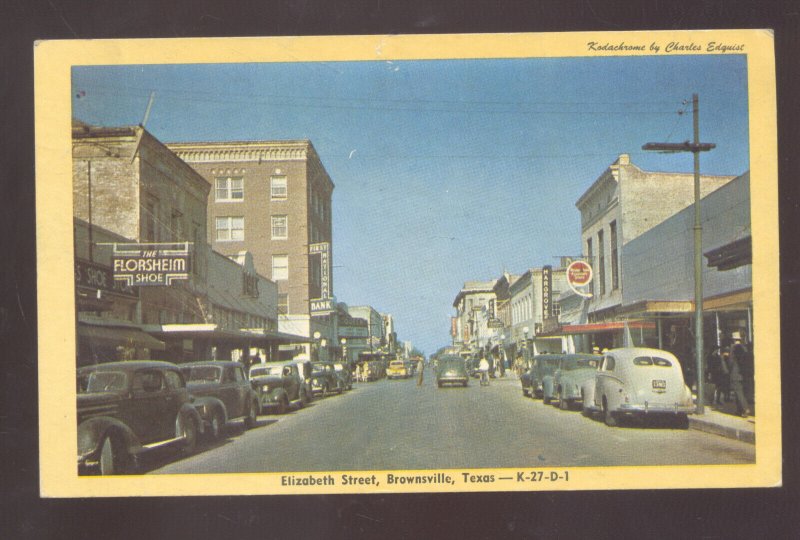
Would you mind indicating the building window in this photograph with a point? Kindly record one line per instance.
(589, 256)
(283, 303)
(278, 188)
(230, 229)
(556, 310)
(280, 227)
(176, 225)
(230, 188)
(280, 267)
(614, 257)
(601, 264)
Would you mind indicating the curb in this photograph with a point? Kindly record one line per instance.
(743, 435)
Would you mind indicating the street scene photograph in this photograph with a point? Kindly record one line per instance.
(399, 272)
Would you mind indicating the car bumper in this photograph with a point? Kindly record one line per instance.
(445, 380)
(655, 408)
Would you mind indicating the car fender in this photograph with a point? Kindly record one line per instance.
(547, 386)
(92, 432)
(209, 404)
(276, 393)
(188, 410)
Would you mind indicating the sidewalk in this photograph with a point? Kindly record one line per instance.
(720, 420)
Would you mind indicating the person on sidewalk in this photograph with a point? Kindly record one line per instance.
(420, 371)
(735, 362)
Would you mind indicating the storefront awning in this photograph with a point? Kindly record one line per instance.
(613, 326)
(213, 331)
(107, 335)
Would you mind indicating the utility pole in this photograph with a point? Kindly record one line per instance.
(695, 148)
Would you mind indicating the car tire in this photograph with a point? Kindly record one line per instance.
(216, 425)
(546, 400)
(252, 415)
(682, 421)
(563, 404)
(187, 428)
(608, 415)
(524, 392)
(114, 458)
(283, 405)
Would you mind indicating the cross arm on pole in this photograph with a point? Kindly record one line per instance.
(685, 146)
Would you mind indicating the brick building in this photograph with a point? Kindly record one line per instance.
(130, 188)
(273, 199)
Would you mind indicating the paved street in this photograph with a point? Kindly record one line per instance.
(396, 425)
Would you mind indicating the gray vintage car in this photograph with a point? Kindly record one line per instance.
(542, 370)
(221, 393)
(573, 371)
(451, 369)
(127, 408)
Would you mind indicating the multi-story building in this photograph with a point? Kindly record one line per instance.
(375, 328)
(473, 303)
(273, 199)
(130, 189)
(623, 203)
(533, 301)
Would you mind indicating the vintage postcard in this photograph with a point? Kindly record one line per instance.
(430, 263)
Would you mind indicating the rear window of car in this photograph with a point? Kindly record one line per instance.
(202, 373)
(651, 361)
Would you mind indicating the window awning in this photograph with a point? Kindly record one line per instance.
(613, 326)
(107, 335)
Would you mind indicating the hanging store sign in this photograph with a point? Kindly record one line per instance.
(324, 304)
(579, 277)
(152, 264)
(98, 277)
(547, 292)
(494, 323)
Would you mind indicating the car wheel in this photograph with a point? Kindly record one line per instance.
(682, 421)
(114, 457)
(608, 416)
(524, 392)
(283, 405)
(217, 423)
(252, 415)
(546, 399)
(188, 430)
(563, 404)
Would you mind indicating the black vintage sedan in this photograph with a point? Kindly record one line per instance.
(127, 408)
(324, 379)
(222, 393)
(451, 369)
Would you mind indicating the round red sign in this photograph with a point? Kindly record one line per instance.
(579, 273)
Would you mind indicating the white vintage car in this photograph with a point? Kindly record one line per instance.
(636, 381)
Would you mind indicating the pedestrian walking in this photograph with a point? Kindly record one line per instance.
(483, 367)
(736, 358)
(717, 376)
(420, 371)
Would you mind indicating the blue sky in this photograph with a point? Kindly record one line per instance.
(445, 171)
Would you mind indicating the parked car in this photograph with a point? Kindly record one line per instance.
(345, 373)
(324, 379)
(635, 381)
(452, 369)
(127, 408)
(398, 369)
(279, 387)
(572, 372)
(221, 393)
(541, 375)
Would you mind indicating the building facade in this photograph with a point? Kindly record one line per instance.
(623, 203)
(475, 306)
(273, 199)
(129, 188)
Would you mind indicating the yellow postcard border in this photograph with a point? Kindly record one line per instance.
(56, 326)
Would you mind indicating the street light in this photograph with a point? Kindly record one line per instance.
(695, 148)
(316, 336)
(343, 341)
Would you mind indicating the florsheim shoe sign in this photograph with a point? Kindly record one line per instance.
(151, 264)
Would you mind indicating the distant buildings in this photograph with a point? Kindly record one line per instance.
(636, 232)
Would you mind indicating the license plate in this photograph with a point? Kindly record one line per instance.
(659, 384)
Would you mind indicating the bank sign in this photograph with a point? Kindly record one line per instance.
(324, 304)
(150, 264)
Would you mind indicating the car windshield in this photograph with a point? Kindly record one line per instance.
(651, 361)
(451, 363)
(266, 371)
(102, 381)
(202, 374)
(578, 363)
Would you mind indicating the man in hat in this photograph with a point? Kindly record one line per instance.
(735, 360)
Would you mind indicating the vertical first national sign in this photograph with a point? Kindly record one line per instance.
(151, 264)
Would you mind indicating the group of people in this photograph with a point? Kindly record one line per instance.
(730, 371)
